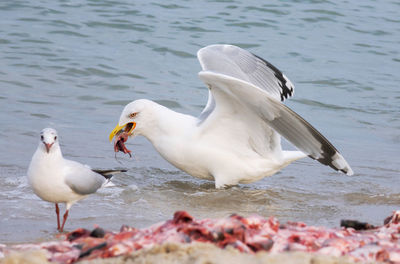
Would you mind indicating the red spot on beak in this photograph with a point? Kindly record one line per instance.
(48, 146)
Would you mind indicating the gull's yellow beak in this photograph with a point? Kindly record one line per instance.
(128, 128)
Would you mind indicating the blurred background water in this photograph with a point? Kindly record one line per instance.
(73, 65)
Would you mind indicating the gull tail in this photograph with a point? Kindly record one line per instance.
(290, 156)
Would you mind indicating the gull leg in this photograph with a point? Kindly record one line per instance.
(64, 220)
(58, 216)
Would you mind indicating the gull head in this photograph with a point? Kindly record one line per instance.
(134, 120)
(48, 138)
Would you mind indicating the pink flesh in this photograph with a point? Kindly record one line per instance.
(119, 143)
(250, 235)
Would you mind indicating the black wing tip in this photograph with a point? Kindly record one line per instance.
(108, 174)
(284, 83)
(335, 161)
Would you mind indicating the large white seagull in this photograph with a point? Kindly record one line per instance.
(236, 138)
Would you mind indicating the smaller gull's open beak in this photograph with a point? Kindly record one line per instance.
(128, 127)
(48, 146)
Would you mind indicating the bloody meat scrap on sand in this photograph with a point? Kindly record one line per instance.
(248, 235)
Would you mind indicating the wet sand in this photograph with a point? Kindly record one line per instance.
(199, 253)
(208, 253)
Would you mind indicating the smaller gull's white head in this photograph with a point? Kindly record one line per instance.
(48, 139)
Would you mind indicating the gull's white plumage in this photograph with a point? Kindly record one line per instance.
(58, 180)
(236, 138)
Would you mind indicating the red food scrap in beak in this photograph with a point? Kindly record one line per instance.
(119, 143)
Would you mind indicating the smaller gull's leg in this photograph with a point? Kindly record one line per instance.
(58, 216)
(65, 219)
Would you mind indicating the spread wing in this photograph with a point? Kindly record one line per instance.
(231, 96)
(241, 64)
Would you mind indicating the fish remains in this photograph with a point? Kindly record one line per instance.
(246, 234)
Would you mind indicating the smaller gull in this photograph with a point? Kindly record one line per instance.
(58, 180)
(237, 136)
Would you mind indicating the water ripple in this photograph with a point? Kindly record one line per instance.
(17, 83)
(324, 12)
(117, 102)
(63, 24)
(330, 106)
(251, 24)
(36, 41)
(170, 6)
(169, 104)
(277, 11)
(377, 32)
(124, 26)
(196, 29)
(178, 53)
(89, 98)
(41, 116)
(69, 33)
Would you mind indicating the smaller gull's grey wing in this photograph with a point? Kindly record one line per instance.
(241, 64)
(81, 179)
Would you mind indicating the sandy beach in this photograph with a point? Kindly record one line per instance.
(199, 253)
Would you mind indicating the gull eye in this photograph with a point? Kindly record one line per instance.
(55, 138)
(132, 115)
(41, 137)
